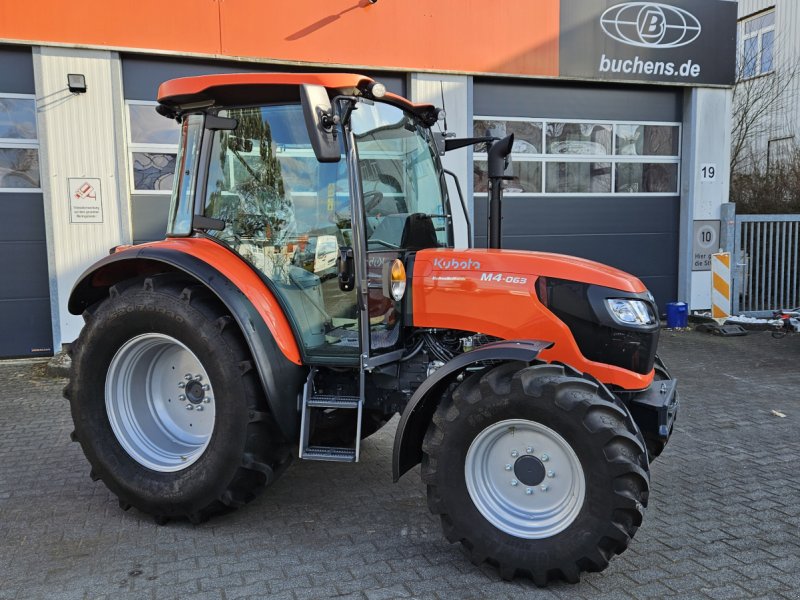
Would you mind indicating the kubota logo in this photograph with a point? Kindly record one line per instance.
(650, 25)
(452, 263)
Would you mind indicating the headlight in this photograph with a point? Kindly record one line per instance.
(630, 312)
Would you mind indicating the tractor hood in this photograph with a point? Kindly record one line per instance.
(473, 265)
(494, 292)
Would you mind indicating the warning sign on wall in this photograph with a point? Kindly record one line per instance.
(85, 200)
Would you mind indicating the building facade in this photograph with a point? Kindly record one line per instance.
(620, 110)
(767, 93)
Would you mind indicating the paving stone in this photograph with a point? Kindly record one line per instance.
(722, 522)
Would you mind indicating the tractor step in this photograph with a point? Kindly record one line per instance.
(311, 402)
(330, 454)
(328, 401)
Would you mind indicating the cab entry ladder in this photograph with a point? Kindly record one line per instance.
(312, 402)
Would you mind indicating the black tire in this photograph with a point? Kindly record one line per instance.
(245, 451)
(589, 419)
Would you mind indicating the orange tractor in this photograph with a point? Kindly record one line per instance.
(308, 290)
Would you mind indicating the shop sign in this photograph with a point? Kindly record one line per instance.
(85, 200)
(680, 41)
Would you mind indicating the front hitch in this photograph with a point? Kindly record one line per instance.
(655, 410)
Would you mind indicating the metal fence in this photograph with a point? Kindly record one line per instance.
(767, 254)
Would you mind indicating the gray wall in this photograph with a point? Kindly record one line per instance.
(25, 323)
(638, 234)
(141, 77)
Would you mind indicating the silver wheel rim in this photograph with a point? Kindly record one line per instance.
(517, 508)
(160, 402)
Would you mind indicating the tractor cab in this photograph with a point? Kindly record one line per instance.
(322, 230)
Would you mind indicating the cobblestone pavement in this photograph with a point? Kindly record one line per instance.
(723, 520)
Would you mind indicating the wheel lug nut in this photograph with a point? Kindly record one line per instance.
(206, 400)
(182, 384)
(551, 473)
(514, 453)
(199, 377)
(189, 407)
(514, 482)
(508, 467)
(206, 387)
(188, 377)
(545, 458)
(544, 488)
(529, 449)
(199, 407)
(181, 397)
(529, 491)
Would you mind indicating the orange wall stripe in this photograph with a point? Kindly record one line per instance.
(515, 37)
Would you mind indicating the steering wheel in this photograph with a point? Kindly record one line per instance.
(371, 200)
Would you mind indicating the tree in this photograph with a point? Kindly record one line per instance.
(756, 101)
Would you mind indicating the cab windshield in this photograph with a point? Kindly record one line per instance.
(401, 187)
(289, 215)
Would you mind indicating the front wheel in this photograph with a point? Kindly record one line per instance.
(536, 470)
(167, 405)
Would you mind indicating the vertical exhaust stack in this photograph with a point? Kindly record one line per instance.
(498, 162)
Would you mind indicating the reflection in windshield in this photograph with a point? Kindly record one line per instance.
(402, 191)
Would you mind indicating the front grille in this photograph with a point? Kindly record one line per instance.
(600, 339)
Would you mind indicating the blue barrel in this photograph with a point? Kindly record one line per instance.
(677, 314)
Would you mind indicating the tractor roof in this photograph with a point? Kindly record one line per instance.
(231, 89)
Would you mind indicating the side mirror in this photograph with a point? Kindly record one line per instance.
(320, 122)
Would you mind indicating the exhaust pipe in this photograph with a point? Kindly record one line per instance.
(498, 165)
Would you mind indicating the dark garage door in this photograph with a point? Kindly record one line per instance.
(25, 322)
(598, 174)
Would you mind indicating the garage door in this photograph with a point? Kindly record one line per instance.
(596, 174)
(25, 321)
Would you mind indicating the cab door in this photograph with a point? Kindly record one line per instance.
(404, 207)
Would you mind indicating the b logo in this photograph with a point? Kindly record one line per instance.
(650, 25)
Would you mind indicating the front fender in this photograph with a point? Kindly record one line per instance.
(419, 410)
(251, 304)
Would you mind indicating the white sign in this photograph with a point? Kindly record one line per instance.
(85, 200)
(706, 243)
(708, 172)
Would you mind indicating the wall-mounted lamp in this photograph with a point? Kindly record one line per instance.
(76, 83)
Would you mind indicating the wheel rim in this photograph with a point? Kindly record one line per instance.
(503, 468)
(160, 402)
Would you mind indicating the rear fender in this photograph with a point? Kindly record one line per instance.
(419, 410)
(250, 303)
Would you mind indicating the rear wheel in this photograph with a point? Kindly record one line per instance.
(536, 470)
(167, 404)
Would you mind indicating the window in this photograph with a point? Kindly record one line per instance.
(780, 151)
(19, 144)
(584, 157)
(153, 145)
(757, 45)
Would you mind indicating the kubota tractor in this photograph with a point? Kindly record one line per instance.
(308, 289)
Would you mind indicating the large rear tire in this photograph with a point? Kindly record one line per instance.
(167, 404)
(536, 470)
